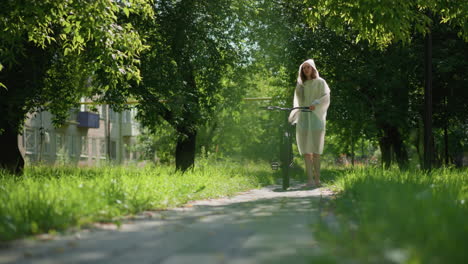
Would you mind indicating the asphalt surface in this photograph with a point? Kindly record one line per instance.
(258, 226)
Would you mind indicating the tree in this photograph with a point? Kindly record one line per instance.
(385, 22)
(450, 100)
(193, 45)
(54, 52)
(375, 86)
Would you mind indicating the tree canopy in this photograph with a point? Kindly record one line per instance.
(54, 52)
(189, 61)
(194, 47)
(385, 22)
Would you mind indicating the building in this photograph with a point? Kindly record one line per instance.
(87, 138)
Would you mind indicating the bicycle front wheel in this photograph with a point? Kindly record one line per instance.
(286, 155)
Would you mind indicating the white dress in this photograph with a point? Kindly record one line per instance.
(310, 126)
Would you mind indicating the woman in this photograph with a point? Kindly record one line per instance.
(313, 92)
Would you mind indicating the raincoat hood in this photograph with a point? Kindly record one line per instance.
(311, 63)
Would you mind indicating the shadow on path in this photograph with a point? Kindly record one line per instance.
(258, 226)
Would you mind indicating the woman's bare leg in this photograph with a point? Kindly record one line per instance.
(316, 165)
(309, 168)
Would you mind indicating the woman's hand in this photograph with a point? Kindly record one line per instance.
(312, 107)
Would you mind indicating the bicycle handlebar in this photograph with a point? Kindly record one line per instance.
(284, 108)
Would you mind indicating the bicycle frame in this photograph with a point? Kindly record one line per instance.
(286, 153)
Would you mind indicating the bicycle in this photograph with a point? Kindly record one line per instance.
(286, 154)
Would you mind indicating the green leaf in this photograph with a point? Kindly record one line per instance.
(126, 11)
(79, 39)
(67, 29)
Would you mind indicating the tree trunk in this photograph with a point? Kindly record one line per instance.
(352, 150)
(419, 143)
(399, 148)
(446, 139)
(185, 149)
(11, 159)
(392, 142)
(385, 150)
(428, 150)
(24, 80)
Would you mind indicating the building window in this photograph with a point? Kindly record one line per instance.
(102, 111)
(94, 147)
(83, 107)
(112, 115)
(69, 140)
(30, 141)
(113, 149)
(74, 145)
(126, 151)
(102, 148)
(59, 143)
(73, 114)
(126, 116)
(84, 146)
(46, 142)
(133, 113)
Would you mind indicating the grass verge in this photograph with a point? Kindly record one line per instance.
(392, 216)
(51, 199)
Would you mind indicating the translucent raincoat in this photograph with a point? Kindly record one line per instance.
(310, 126)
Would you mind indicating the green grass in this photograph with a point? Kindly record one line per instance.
(51, 199)
(393, 216)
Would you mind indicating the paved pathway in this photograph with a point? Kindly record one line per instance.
(258, 226)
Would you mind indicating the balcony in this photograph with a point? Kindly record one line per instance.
(88, 120)
(130, 129)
